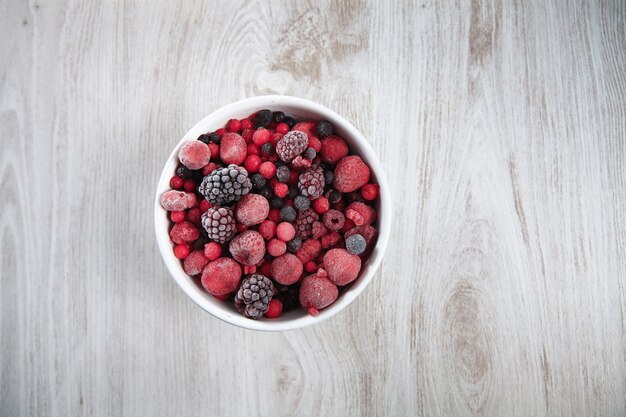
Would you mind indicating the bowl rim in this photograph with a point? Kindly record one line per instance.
(185, 282)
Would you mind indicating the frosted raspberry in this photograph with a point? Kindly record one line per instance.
(334, 219)
(311, 182)
(286, 269)
(342, 266)
(301, 163)
(318, 230)
(360, 213)
(184, 232)
(221, 276)
(195, 263)
(309, 250)
(330, 240)
(233, 149)
(333, 149)
(306, 127)
(177, 200)
(351, 174)
(304, 222)
(248, 248)
(291, 145)
(317, 292)
(194, 154)
(252, 209)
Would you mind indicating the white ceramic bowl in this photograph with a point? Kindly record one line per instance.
(301, 109)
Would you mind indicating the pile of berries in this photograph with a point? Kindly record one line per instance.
(272, 214)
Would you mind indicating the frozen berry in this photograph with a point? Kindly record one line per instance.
(263, 118)
(189, 185)
(181, 251)
(324, 129)
(301, 203)
(267, 229)
(274, 309)
(184, 172)
(278, 116)
(281, 190)
(258, 181)
(267, 149)
(177, 200)
(184, 232)
(276, 247)
(261, 136)
(368, 232)
(291, 122)
(360, 213)
(233, 125)
(205, 138)
(282, 128)
(267, 169)
(294, 244)
(233, 149)
(315, 143)
(309, 153)
(194, 154)
(248, 248)
(333, 220)
(194, 215)
(304, 221)
(208, 168)
(330, 240)
(301, 163)
(274, 215)
(282, 173)
(311, 182)
(317, 292)
(195, 263)
(333, 149)
(222, 276)
(246, 124)
(318, 230)
(291, 145)
(306, 127)
(286, 269)
(351, 174)
(204, 205)
(288, 214)
(252, 163)
(219, 223)
(285, 231)
(177, 216)
(212, 251)
(370, 191)
(276, 203)
(254, 296)
(177, 182)
(225, 185)
(309, 250)
(252, 209)
(355, 244)
(310, 266)
(321, 205)
(342, 266)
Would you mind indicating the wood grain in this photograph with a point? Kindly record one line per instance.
(500, 125)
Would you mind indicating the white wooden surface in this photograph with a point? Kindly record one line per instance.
(501, 127)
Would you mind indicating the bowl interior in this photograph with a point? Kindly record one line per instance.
(302, 110)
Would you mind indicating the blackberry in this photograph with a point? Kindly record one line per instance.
(282, 173)
(304, 223)
(288, 214)
(293, 191)
(356, 244)
(291, 122)
(205, 138)
(263, 118)
(289, 295)
(254, 295)
(291, 145)
(276, 202)
(279, 116)
(311, 182)
(219, 223)
(214, 137)
(329, 177)
(309, 153)
(258, 181)
(225, 185)
(267, 149)
(301, 203)
(324, 129)
(266, 192)
(294, 244)
(184, 172)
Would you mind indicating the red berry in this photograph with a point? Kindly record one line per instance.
(267, 229)
(275, 138)
(233, 149)
(276, 247)
(333, 149)
(194, 215)
(194, 154)
(321, 205)
(360, 213)
(274, 309)
(267, 169)
(248, 248)
(370, 191)
(241, 227)
(195, 263)
(286, 269)
(208, 168)
(215, 150)
(221, 131)
(281, 190)
(212, 251)
(189, 185)
(184, 232)
(310, 267)
(266, 269)
(285, 231)
(221, 276)
(342, 266)
(294, 176)
(173, 200)
(177, 216)
(181, 251)
(222, 297)
(204, 205)
(261, 136)
(233, 125)
(176, 182)
(274, 215)
(252, 209)
(315, 143)
(253, 149)
(306, 127)
(247, 135)
(347, 225)
(246, 124)
(252, 163)
(351, 173)
(317, 292)
(282, 128)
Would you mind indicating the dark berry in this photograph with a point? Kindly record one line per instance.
(263, 118)
(214, 137)
(205, 138)
(267, 149)
(276, 202)
(324, 129)
(282, 173)
(288, 214)
(301, 203)
(309, 153)
(329, 177)
(334, 197)
(355, 244)
(293, 191)
(266, 192)
(279, 116)
(184, 172)
(225, 185)
(258, 181)
(294, 244)
(291, 122)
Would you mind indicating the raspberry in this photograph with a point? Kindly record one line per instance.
(310, 267)
(330, 240)
(267, 169)
(304, 222)
(324, 129)
(181, 251)
(233, 149)
(370, 191)
(318, 230)
(285, 231)
(261, 136)
(194, 154)
(291, 145)
(333, 149)
(309, 250)
(177, 216)
(253, 297)
(274, 309)
(221, 277)
(177, 200)
(301, 163)
(252, 209)
(281, 190)
(355, 244)
(321, 205)
(225, 185)
(212, 251)
(176, 182)
(194, 215)
(294, 244)
(267, 229)
(301, 203)
(195, 263)
(333, 220)
(276, 247)
(342, 266)
(317, 292)
(311, 182)
(306, 127)
(248, 248)
(351, 174)
(233, 125)
(184, 232)
(252, 163)
(286, 269)
(360, 213)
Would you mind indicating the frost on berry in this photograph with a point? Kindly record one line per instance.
(291, 145)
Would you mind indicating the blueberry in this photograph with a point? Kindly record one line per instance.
(288, 214)
(184, 172)
(282, 174)
(258, 181)
(310, 153)
(293, 191)
(329, 177)
(266, 192)
(355, 244)
(267, 149)
(334, 197)
(205, 138)
(294, 244)
(279, 116)
(276, 202)
(291, 122)
(301, 203)
(324, 129)
(263, 118)
(214, 137)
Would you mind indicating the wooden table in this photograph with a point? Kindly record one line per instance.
(502, 130)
